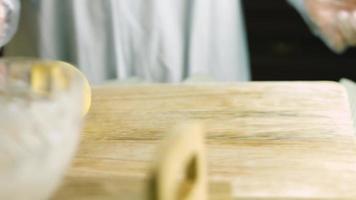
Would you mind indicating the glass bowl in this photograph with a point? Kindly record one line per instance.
(40, 124)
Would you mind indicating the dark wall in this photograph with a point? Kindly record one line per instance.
(283, 48)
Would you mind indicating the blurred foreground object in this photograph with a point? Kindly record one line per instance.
(181, 172)
(45, 73)
(332, 20)
(40, 124)
(9, 18)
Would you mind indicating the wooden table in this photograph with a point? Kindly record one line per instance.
(285, 140)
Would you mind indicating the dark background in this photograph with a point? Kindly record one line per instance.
(283, 48)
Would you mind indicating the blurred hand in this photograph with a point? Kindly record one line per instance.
(334, 21)
(9, 17)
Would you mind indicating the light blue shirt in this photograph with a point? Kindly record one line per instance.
(154, 40)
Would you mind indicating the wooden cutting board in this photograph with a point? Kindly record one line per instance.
(285, 140)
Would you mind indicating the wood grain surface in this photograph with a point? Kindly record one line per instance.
(286, 140)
